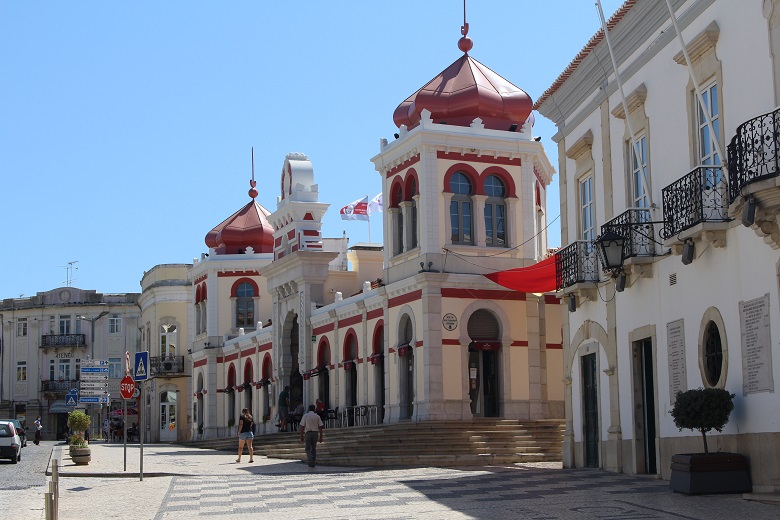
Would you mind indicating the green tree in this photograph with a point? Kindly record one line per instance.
(702, 409)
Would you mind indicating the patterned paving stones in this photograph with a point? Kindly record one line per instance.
(205, 484)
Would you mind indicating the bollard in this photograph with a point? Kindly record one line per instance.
(55, 479)
(49, 506)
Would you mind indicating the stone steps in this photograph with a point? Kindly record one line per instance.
(442, 443)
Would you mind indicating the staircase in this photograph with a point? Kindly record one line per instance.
(435, 443)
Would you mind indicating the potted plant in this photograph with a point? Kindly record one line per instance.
(80, 451)
(704, 410)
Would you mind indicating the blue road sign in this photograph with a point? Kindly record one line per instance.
(72, 398)
(100, 400)
(141, 366)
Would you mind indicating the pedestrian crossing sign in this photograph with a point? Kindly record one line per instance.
(141, 366)
(71, 400)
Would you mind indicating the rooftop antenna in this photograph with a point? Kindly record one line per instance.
(69, 272)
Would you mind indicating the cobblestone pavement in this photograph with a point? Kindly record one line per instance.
(185, 483)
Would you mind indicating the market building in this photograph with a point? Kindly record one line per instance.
(680, 172)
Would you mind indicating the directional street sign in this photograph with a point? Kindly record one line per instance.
(94, 381)
(141, 366)
(95, 400)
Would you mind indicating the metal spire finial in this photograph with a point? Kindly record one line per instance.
(252, 183)
(465, 44)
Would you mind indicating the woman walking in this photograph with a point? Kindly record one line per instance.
(245, 424)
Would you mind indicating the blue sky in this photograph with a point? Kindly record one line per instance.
(126, 127)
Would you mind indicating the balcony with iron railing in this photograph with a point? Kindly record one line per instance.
(637, 227)
(576, 264)
(162, 366)
(696, 205)
(59, 386)
(754, 175)
(753, 154)
(63, 340)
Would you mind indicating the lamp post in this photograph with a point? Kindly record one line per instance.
(92, 321)
(610, 246)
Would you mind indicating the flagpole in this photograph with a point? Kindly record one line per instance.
(368, 215)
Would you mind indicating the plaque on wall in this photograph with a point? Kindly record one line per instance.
(756, 346)
(449, 321)
(675, 345)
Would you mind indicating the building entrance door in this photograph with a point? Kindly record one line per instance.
(483, 382)
(645, 405)
(168, 401)
(590, 410)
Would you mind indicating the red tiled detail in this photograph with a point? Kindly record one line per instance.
(482, 294)
(278, 241)
(294, 248)
(450, 342)
(551, 299)
(220, 359)
(248, 352)
(405, 298)
(346, 322)
(200, 363)
(265, 347)
(376, 313)
(322, 329)
(311, 233)
(314, 246)
(472, 157)
(419, 344)
(202, 278)
(404, 165)
(231, 357)
(519, 344)
(228, 274)
(291, 234)
(555, 346)
(308, 216)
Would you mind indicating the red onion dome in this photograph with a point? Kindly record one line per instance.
(247, 227)
(464, 91)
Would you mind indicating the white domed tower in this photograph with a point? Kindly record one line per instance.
(465, 176)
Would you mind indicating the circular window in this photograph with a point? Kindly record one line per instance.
(713, 354)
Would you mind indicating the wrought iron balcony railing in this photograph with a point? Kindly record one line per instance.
(753, 152)
(60, 386)
(699, 196)
(638, 229)
(576, 263)
(166, 365)
(63, 340)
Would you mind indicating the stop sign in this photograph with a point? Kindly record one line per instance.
(127, 387)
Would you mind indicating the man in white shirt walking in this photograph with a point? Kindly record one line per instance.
(310, 423)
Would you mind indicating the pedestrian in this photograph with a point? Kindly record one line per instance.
(245, 435)
(38, 431)
(106, 428)
(310, 423)
(284, 407)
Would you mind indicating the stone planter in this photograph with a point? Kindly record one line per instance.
(708, 473)
(80, 456)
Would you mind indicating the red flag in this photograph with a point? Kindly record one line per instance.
(357, 210)
(537, 278)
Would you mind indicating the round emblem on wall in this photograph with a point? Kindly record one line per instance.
(64, 295)
(449, 321)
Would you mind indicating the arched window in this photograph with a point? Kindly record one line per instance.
(412, 193)
(460, 209)
(398, 196)
(495, 212)
(245, 305)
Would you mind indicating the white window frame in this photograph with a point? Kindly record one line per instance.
(115, 368)
(65, 323)
(115, 324)
(21, 370)
(639, 173)
(494, 204)
(587, 225)
(460, 201)
(63, 370)
(21, 327)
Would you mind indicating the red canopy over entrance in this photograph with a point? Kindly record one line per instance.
(537, 278)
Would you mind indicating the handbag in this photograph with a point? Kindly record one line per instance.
(253, 427)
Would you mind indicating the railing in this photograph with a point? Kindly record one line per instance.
(166, 365)
(636, 226)
(63, 340)
(753, 152)
(59, 386)
(576, 263)
(699, 196)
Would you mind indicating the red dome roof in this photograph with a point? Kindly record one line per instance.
(247, 227)
(464, 91)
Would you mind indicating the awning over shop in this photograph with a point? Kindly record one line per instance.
(60, 407)
(537, 278)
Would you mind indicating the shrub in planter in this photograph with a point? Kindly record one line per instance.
(704, 410)
(78, 421)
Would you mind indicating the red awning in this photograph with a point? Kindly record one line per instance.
(537, 278)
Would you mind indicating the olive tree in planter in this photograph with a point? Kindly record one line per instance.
(704, 410)
(80, 452)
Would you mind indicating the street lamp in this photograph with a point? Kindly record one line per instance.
(92, 321)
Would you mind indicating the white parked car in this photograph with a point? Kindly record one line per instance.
(10, 443)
